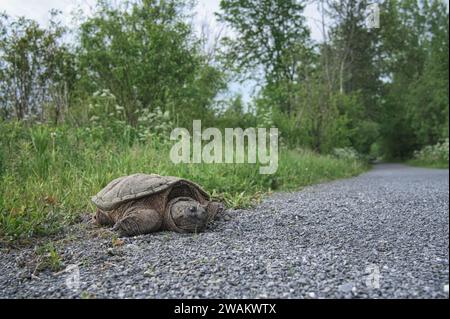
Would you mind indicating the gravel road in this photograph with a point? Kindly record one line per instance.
(384, 234)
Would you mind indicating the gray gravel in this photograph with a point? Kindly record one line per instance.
(383, 234)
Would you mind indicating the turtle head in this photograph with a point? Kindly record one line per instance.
(189, 215)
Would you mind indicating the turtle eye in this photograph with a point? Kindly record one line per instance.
(192, 209)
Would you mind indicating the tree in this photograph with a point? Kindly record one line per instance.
(268, 36)
(353, 52)
(147, 54)
(429, 96)
(36, 67)
(415, 51)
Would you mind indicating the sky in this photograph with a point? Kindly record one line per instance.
(39, 10)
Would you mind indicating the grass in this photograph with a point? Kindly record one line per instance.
(48, 174)
(48, 258)
(427, 163)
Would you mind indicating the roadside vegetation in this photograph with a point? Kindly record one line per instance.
(433, 156)
(84, 103)
(49, 173)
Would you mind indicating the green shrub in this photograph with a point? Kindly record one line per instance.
(346, 153)
(432, 155)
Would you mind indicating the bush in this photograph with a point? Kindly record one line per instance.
(346, 153)
(433, 155)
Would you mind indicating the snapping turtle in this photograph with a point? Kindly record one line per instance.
(141, 203)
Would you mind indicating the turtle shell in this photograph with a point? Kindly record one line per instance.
(136, 186)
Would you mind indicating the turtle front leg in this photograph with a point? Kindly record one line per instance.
(102, 218)
(138, 222)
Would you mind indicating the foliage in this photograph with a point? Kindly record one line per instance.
(36, 69)
(265, 32)
(147, 54)
(432, 155)
(346, 153)
(134, 61)
(269, 37)
(416, 102)
(40, 196)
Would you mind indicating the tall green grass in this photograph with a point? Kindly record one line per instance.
(48, 174)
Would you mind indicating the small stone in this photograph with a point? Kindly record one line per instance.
(346, 287)
(311, 295)
(446, 288)
(383, 246)
(132, 247)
